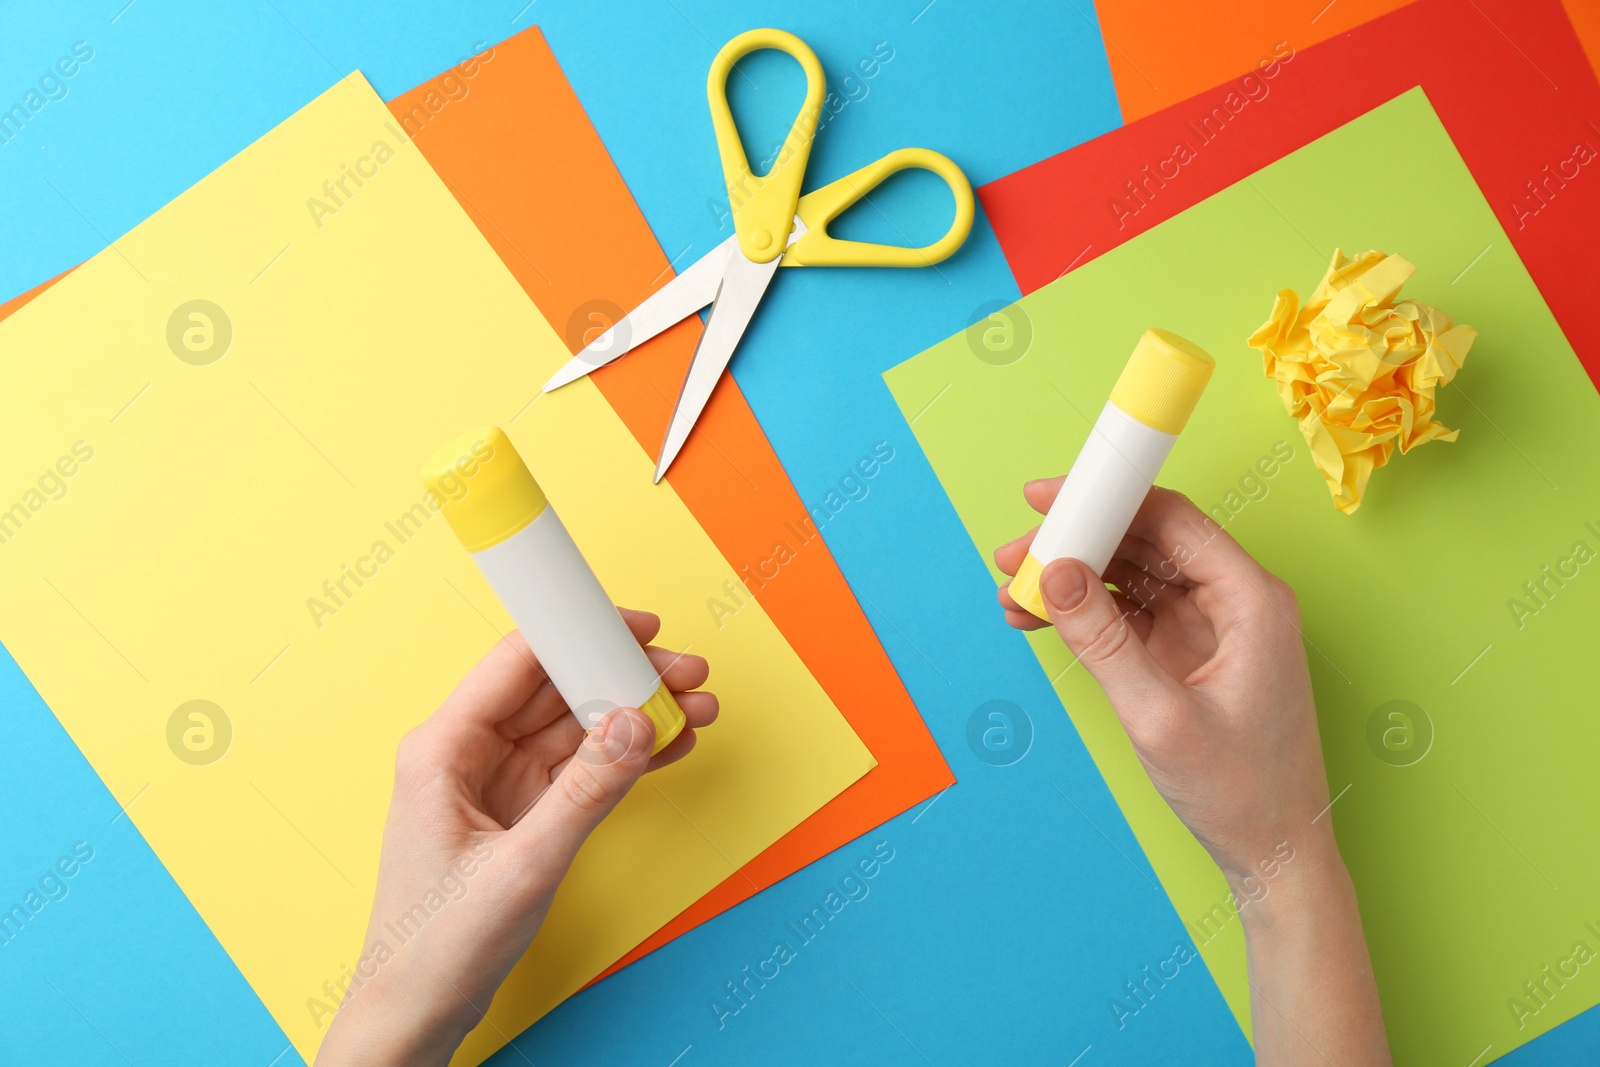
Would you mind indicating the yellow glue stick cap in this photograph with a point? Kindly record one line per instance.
(662, 710)
(483, 487)
(1024, 587)
(1163, 381)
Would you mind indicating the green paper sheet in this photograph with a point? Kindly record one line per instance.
(1469, 837)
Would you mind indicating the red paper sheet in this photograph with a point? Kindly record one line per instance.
(1508, 78)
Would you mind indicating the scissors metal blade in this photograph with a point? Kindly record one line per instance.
(743, 284)
(667, 306)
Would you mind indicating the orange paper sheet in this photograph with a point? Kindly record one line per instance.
(507, 134)
(524, 160)
(1585, 16)
(515, 145)
(1163, 53)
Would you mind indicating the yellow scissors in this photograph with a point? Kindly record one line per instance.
(773, 226)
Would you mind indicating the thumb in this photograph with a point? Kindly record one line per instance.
(1093, 627)
(607, 764)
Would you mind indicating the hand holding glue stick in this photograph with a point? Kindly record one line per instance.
(496, 792)
(517, 540)
(1199, 652)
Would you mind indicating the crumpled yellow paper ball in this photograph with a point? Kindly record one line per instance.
(1359, 369)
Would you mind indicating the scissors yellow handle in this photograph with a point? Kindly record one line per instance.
(764, 207)
(816, 209)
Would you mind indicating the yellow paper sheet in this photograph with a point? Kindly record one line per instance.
(210, 497)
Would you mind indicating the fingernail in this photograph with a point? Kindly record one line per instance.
(618, 733)
(1063, 585)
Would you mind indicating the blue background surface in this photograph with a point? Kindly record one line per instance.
(1017, 903)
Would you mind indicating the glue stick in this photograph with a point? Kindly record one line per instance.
(1149, 406)
(517, 540)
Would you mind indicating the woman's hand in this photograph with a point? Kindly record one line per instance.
(1200, 653)
(493, 796)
